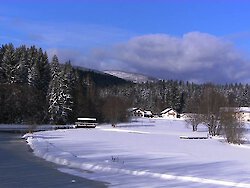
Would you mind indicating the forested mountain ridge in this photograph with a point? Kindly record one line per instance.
(101, 79)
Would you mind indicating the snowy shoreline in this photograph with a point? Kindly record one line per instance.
(146, 153)
(27, 128)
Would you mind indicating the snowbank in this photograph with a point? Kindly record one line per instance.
(146, 153)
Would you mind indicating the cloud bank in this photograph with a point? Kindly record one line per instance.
(197, 57)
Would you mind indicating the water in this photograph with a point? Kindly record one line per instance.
(19, 168)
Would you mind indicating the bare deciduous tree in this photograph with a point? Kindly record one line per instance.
(194, 117)
(233, 127)
(212, 108)
(210, 103)
(194, 120)
(115, 110)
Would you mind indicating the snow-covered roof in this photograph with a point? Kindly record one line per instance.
(147, 112)
(86, 119)
(167, 110)
(236, 109)
(132, 109)
(244, 109)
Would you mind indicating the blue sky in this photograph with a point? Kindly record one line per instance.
(200, 41)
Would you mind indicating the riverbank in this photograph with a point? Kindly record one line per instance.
(19, 128)
(20, 168)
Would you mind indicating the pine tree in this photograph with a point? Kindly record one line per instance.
(32, 67)
(34, 76)
(1, 68)
(79, 97)
(66, 81)
(21, 72)
(54, 91)
(8, 64)
(44, 72)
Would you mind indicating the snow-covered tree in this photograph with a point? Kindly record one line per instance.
(44, 71)
(54, 91)
(34, 76)
(1, 68)
(21, 72)
(8, 64)
(60, 92)
(66, 82)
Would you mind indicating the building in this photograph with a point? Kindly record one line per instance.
(242, 112)
(169, 113)
(136, 112)
(86, 123)
(148, 113)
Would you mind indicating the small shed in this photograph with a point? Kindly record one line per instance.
(86, 122)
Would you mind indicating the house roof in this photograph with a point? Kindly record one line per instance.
(86, 119)
(236, 109)
(244, 109)
(147, 112)
(167, 110)
(133, 109)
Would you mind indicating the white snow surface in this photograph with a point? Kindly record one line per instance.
(146, 153)
(133, 77)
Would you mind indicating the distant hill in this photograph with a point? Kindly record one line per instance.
(101, 79)
(133, 77)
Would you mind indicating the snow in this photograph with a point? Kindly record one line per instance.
(146, 153)
(244, 109)
(86, 119)
(166, 110)
(133, 77)
(25, 128)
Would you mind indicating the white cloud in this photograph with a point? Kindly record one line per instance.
(194, 56)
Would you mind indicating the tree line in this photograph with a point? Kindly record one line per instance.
(157, 96)
(218, 112)
(35, 91)
(203, 103)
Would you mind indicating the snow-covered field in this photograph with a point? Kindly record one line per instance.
(146, 153)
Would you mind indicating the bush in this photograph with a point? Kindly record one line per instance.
(233, 127)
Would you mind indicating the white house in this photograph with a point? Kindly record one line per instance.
(244, 113)
(241, 112)
(136, 112)
(148, 113)
(169, 113)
